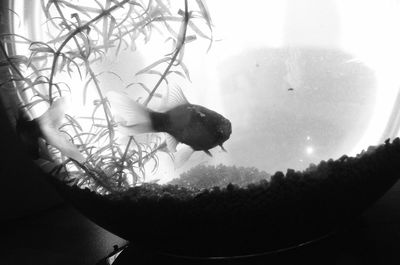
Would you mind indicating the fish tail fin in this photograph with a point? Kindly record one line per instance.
(55, 114)
(50, 123)
(132, 117)
(29, 130)
(59, 140)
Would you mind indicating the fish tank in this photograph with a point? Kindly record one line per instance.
(202, 128)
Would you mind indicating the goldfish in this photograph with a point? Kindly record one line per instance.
(38, 132)
(194, 125)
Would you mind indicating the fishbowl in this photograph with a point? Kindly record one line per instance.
(202, 128)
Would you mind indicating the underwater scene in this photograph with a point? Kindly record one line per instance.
(218, 113)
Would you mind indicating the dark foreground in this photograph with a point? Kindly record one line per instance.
(288, 210)
(63, 236)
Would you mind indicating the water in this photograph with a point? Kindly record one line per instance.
(300, 81)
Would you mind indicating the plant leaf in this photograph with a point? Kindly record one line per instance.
(85, 88)
(40, 47)
(151, 66)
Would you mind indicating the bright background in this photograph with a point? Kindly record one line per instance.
(340, 59)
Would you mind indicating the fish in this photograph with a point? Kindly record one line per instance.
(36, 133)
(193, 125)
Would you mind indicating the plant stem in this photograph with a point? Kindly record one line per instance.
(92, 173)
(87, 65)
(162, 145)
(123, 160)
(103, 103)
(177, 51)
(72, 35)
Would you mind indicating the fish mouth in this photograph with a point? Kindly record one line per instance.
(227, 127)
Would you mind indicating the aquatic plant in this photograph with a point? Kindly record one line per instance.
(82, 34)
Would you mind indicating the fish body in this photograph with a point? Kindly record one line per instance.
(196, 126)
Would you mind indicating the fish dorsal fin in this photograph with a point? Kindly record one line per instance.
(173, 97)
(178, 96)
(171, 143)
